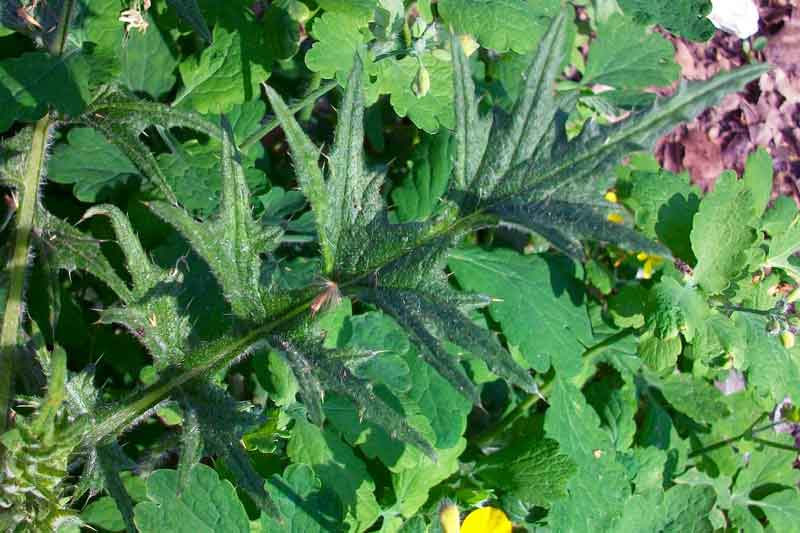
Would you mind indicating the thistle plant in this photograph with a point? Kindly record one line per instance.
(512, 169)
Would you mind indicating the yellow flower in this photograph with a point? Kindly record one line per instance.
(650, 264)
(611, 196)
(482, 520)
(616, 218)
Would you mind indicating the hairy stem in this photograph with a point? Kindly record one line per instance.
(116, 420)
(589, 357)
(18, 262)
(120, 417)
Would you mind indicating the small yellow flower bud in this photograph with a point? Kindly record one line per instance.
(422, 82)
(449, 517)
(787, 338)
(468, 44)
(611, 196)
(616, 218)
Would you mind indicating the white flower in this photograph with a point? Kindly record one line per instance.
(739, 17)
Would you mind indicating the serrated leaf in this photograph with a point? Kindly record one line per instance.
(625, 56)
(597, 493)
(215, 82)
(770, 367)
(694, 397)
(305, 505)
(682, 508)
(673, 308)
(723, 234)
(94, 165)
(234, 259)
(148, 62)
(555, 329)
(76, 250)
(430, 111)
(35, 80)
(683, 17)
(664, 206)
(207, 504)
(535, 472)
(339, 469)
(533, 115)
(758, 178)
(500, 24)
(338, 41)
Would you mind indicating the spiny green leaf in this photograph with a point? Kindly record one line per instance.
(472, 130)
(76, 250)
(305, 156)
(519, 137)
(230, 244)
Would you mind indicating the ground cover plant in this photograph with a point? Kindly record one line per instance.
(373, 265)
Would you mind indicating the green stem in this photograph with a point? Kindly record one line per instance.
(116, 420)
(59, 43)
(18, 263)
(747, 432)
(316, 81)
(589, 358)
(307, 100)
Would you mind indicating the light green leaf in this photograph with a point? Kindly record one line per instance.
(770, 367)
(597, 492)
(625, 56)
(427, 180)
(694, 397)
(683, 17)
(500, 24)
(94, 165)
(664, 205)
(673, 308)
(412, 485)
(207, 504)
(35, 80)
(304, 504)
(758, 178)
(659, 354)
(682, 508)
(358, 11)
(723, 233)
(215, 82)
(339, 469)
(337, 41)
(148, 61)
(396, 78)
(537, 301)
(532, 470)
